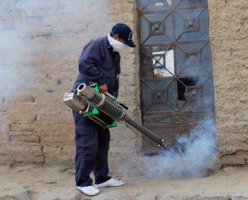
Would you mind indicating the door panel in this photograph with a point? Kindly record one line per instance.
(175, 67)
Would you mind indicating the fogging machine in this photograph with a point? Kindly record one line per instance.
(104, 109)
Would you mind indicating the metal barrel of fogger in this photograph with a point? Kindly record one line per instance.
(115, 111)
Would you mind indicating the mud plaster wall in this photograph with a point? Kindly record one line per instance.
(45, 39)
(228, 34)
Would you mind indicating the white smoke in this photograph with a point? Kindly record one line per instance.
(193, 156)
(12, 51)
(16, 47)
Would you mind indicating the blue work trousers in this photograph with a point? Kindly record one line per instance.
(92, 145)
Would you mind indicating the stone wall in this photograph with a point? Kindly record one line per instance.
(42, 41)
(228, 34)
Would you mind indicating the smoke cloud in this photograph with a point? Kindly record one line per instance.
(193, 157)
(23, 23)
(12, 53)
(13, 50)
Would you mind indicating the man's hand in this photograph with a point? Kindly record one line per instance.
(103, 88)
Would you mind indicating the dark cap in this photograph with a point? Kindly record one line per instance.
(125, 33)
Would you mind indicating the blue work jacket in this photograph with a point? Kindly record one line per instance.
(99, 63)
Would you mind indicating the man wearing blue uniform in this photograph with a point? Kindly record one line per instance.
(99, 62)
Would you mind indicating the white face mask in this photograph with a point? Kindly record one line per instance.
(117, 46)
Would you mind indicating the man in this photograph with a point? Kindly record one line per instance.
(99, 62)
